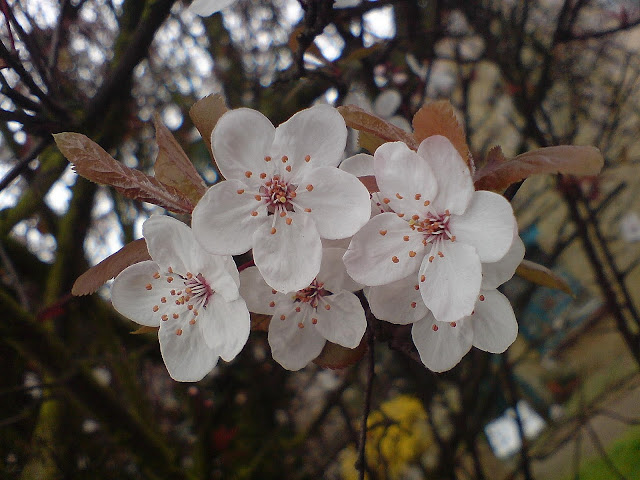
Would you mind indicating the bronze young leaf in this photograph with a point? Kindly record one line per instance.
(92, 162)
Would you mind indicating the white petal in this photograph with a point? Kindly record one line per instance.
(452, 282)
(344, 323)
(258, 294)
(222, 222)
(319, 132)
(334, 274)
(455, 185)
(291, 346)
(240, 141)
(225, 326)
(398, 302)
(487, 224)
(370, 257)
(360, 165)
(387, 103)
(130, 296)
(288, 259)
(219, 271)
(496, 273)
(443, 348)
(331, 190)
(204, 8)
(220, 281)
(187, 356)
(169, 242)
(494, 323)
(405, 179)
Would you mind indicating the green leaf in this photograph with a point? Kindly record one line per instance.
(541, 275)
(92, 162)
(173, 168)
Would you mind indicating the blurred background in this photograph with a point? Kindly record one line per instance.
(81, 397)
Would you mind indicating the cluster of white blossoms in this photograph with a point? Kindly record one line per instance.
(433, 258)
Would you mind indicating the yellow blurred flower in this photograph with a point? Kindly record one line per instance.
(398, 435)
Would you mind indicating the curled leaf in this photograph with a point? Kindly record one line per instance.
(439, 118)
(541, 275)
(205, 113)
(335, 356)
(357, 118)
(110, 267)
(92, 162)
(173, 168)
(499, 172)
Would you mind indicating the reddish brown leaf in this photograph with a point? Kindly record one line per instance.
(357, 118)
(110, 267)
(173, 168)
(541, 275)
(370, 182)
(205, 113)
(494, 155)
(93, 163)
(335, 356)
(260, 322)
(439, 118)
(145, 329)
(498, 173)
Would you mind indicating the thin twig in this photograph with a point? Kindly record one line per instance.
(362, 462)
(14, 278)
(22, 163)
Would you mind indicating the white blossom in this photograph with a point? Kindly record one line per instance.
(282, 194)
(303, 321)
(439, 227)
(191, 295)
(491, 327)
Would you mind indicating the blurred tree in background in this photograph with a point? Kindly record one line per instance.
(83, 398)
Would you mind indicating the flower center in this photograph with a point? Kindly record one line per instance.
(434, 227)
(191, 294)
(278, 195)
(312, 294)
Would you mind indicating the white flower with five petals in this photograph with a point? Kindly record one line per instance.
(192, 296)
(303, 321)
(442, 228)
(282, 194)
(491, 327)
